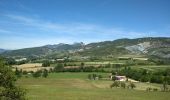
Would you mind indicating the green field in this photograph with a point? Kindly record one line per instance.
(151, 67)
(76, 86)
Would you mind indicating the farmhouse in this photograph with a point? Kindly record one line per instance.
(60, 59)
(22, 59)
(121, 78)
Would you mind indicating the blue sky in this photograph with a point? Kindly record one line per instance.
(30, 23)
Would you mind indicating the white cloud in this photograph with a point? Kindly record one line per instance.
(71, 28)
(45, 32)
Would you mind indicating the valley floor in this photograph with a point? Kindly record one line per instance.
(76, 86)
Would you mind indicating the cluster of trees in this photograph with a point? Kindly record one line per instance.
(144, 75)
(60, 68)
(123, 85)
(39, 73)
(151, 89)
(159, 61)
(46, 63)
(11, 61)
(8, 89)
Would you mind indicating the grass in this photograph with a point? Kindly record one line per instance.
(76, 86)
(152, 67)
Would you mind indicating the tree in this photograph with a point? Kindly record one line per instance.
(18, 73)
(115, 84)
(37, 74)
(132, 85)
(156, 79)
(46, 63)
(165, 83)
(82, 67)
(123, 85)
(82, 64)
(114, 78)
(45, 73)
(8, 89)
(59, 67)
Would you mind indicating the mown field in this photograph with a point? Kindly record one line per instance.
(76, 86)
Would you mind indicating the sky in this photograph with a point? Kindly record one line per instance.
(32, 23)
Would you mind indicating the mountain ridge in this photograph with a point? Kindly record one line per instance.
(158, 46)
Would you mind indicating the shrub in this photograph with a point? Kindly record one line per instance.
(115, 84)
(123, 85)
(45, 73)
(155, 89)
(149, 89)
(37, 74)
(46, 63)
(132, 85)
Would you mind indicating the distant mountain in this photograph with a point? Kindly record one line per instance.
(157, 46)
(43, 50)
(141, 46)
(2, 50)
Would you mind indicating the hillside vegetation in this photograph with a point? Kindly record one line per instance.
(158, 47)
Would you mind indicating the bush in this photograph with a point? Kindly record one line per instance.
(59, 67)
(46, 63)
(18, 73)
(155, 89)
(123, 85)
(156, 79)
(115, 84)
(131, 85)
(149, 89)
(37, 74)
(45, 73)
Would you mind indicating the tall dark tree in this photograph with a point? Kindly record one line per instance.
(18, 73)
(46, 63)
(132, 85)
(165, 84)
(45, 73)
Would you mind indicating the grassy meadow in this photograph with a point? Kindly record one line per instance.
(76, 86)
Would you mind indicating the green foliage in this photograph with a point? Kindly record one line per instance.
(131, 85)
(18, 73)
(59, 67)
(8, 90)
(123, 84)
(156, 79)
(114, 78)
(14, 93)
(10, 61)
(146, 76)
(82, 64)
(98, 50)
(45, 73)
(165, 83)
(149, 89)
(37, 74)
(115, 84)
(45, 63)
